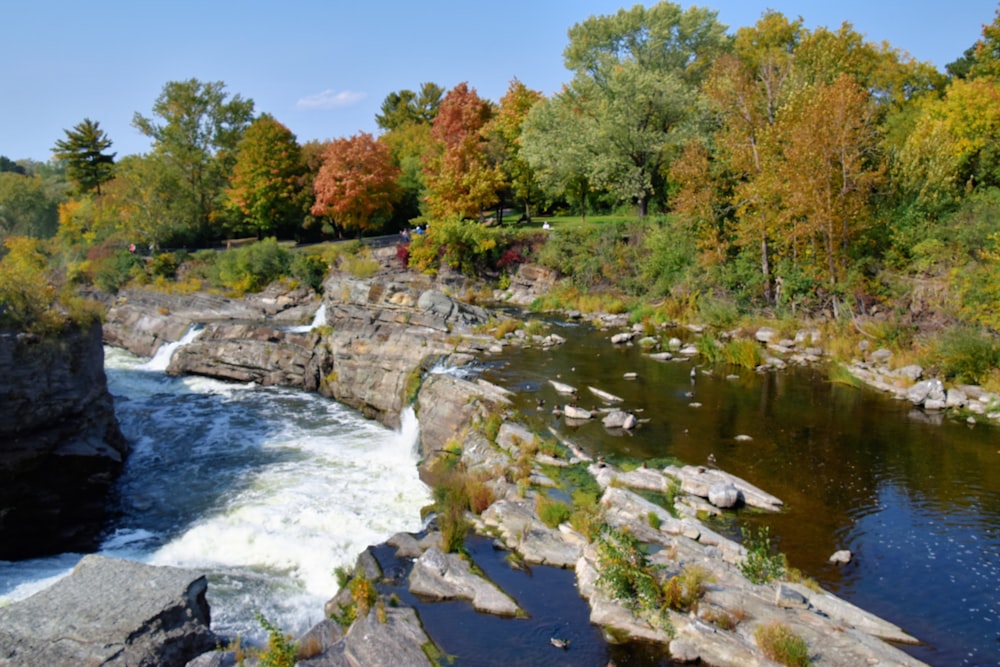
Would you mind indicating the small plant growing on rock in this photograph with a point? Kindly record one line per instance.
(779, 643)
(760, 565)
(281, 651)
(363, 593)
(683, 591)
(627, 576)
(552, 512)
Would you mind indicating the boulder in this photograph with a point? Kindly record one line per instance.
(110, 612)
(723, 495)
(620, 419)
(841, 557)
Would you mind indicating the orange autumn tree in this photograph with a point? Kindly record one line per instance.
(461, 183)
(356, 184)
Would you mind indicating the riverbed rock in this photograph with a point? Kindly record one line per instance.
(841, 557)
(620, 419)
(110, 612)
(697, 480)
(524, 532)
(444, 576)
(724, 495)
(60, 445)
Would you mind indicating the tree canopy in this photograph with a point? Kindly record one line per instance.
(83, 151)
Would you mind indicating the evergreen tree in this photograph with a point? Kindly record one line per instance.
(83, 151)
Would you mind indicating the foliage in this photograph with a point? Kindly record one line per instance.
(552, 512)
(742, 352)
(83, 152)
(112, 267)
(252, 267)
(779, 643)
(356, 185)
(281, 650)
(464, 245)
(26, 207)
(503, 134)
(461, 183)
(310, 269)
(451, 502)
(408, 107)
(195, 129)
(626, 575)
(363, 593)
(683, 591)
(760, 565)
(266, 185)
(967, 355)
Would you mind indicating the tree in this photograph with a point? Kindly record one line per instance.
(6, 164)
(409, 144)
(504, 131)
(195, 142)
(83, 150)
(406, 106)
(266, 185)
(356, 185)
(460, 181)
(635, 85)
(551, 144)
(26, 208)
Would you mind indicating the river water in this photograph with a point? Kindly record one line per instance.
(268, 490)
(915, 497)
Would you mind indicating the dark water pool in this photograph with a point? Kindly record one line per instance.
(915, 497)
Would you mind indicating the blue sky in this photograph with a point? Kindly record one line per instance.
(323, 67)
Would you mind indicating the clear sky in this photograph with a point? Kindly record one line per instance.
(323, 67)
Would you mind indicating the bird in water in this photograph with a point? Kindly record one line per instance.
(559, 643)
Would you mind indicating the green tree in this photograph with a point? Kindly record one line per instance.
(266, 185)
(409, 144)
(26, 207)
(635, 84)
(195, 140)
(83, 151)
(551, 144)
(406, 106)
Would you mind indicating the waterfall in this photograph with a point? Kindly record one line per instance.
(319, 319)
(165, 352)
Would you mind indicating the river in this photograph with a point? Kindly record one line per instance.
(269, 489)
(266, 489)
(915, 497)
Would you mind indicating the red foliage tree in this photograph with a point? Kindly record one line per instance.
(356, 184)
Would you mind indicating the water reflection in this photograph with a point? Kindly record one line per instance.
(915, 497)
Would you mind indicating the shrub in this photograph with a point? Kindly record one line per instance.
(251, 268)
(310, 269)
(760, 565)
(363, 593)
(779, 643)
(626, 575)
(684, 590)
(281, 650)
(968, 355)
(552, 512)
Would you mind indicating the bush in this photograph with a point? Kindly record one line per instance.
(281, 650)
(968, 355)
(252, 268)
(779, 643)
(626, 575)
(760, 565)
(309, 269)
(552, 512)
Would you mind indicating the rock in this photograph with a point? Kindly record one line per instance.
(841, 557)
(674, 343)
(765, 334)
(573, 412)
(926, 390)
(697, 480)
(724, 495)
(684, 651)
(621, 338)
(110, 612)
(524, 531)
(442, 576)
(956, 398)
(911, 372)
(406, 545)
(605, 396)
(788, 598)
(60, 445)
(620, 419)
(880, 356)
(400, 640)
(661, 356)
(562, 388)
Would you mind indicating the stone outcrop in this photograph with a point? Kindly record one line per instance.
(110, 612)
(60, 445)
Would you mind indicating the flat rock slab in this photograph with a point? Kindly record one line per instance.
(697, 480)
(444, 576)
(110, 612)
(523, 531)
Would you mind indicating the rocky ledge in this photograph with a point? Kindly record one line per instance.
(60, 445)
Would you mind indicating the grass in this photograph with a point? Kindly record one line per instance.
(552, 512)
(779, 643)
